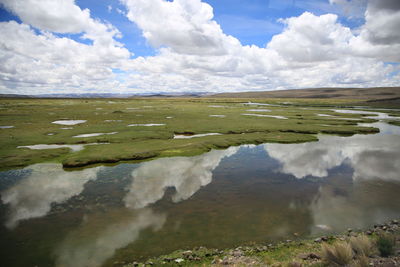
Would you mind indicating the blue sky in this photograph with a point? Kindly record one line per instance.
(253, 22)
(193, 51)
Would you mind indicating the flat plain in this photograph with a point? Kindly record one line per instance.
(115, 130)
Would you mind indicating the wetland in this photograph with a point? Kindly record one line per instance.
(194, 180)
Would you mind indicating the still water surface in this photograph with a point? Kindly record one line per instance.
(223, 198)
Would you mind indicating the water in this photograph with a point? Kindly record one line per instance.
(224, 198)
(69, 122)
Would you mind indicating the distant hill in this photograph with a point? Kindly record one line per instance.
(105, 95)
(374, 93)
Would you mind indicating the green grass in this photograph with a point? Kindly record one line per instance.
(338, 250)
(32, 119)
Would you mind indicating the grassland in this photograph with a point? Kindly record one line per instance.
(364, 249)
(32, 124)
(374, 94)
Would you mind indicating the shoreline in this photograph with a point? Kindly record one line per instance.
(300, 252)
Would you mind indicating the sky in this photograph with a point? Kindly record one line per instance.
(187, 46)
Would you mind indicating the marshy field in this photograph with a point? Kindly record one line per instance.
(202, 181)
(113, 130)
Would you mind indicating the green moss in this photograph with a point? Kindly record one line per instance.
(32, 119)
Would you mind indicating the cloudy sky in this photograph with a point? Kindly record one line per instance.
(146, 46)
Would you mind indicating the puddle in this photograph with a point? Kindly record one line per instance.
(168, 117)
(73, 148)
(94, 134)
(347, 119)
(69, 122)
(6, 127)
(377, 115)
(325, 115)
(262, 115)
(147, 124)
(182, 136)
(66, 128)
(217, 116)
(384, 128)
(261, 104)
(259, 110)
(216, 106)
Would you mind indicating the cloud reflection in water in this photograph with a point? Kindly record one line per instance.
(186, 174)
(46, 184)
(92, 245)
(371, 156)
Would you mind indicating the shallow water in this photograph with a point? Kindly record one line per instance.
(259, 110)
(147, 124)
(261, 104)
(217, 116)
(69, 122)
(262, 115)
(93, 134)
(53, 146)
(376, 115)
(73, 148)
(183, 136)
(223, 198)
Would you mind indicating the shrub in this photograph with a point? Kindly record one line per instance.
(385, 244)
(340, 253)
(362, 245)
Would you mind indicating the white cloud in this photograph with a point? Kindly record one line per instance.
(62, 16)
(379, 37)
(310, 38)
(187, 27)
(193, 52)
(47, 61)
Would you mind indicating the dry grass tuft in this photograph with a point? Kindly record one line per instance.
(340, 253)
(362, 245)
(361, 261)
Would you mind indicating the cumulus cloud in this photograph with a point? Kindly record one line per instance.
(46, 184)
(312, 51)
(33, 60)
(193, 52)
(184, 26)
(62, 16)
(310, 38)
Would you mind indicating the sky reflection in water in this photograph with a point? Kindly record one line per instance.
(96, 216)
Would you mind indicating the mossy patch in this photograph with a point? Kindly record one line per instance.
(32, 120)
